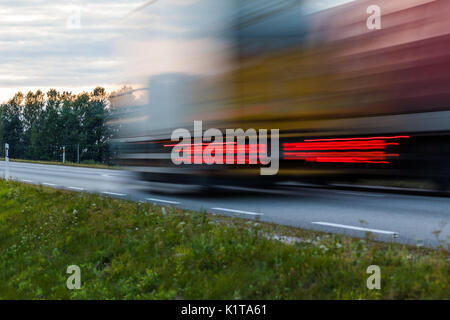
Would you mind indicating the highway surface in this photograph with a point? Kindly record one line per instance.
(403, 218)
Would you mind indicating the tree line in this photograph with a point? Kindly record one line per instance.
(37, 126)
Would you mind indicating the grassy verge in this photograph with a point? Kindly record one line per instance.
(130, 250)
(70, 164)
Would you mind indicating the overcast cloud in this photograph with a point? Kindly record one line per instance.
(43, 46)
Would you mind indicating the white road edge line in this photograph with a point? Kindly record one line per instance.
(75, 188)
(48, 184)
(359, 194)
(239, 211)
(114, 194)
(336, 225)
(29, 181)
(160, 200)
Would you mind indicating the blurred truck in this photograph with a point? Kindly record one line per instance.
(350, 102)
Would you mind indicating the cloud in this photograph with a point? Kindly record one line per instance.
(40, 45)
(38, 49)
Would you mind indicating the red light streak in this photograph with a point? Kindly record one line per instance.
(367, 138)
(345, 160)
(375, 144)
(241, 154)
(342, 150)
(198, 144)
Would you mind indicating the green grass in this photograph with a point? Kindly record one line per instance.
(86, 164)
(129, 250)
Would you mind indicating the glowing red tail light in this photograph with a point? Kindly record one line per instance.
(239, 154)
(342, 150)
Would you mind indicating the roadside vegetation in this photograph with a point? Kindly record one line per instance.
(130, 250)
(84, 164)
(38, 126)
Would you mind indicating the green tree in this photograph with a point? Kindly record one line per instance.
(95, 132)
(32, 123)
(38, 125)
(49, 135)
(70, 121)
(11, 124)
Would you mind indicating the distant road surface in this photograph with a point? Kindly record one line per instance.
(408, 219)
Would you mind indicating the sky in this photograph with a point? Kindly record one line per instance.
(76, 45)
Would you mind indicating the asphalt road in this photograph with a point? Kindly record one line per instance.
(408, 219)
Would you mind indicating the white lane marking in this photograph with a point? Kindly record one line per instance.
(336, 225)
(160, 200)
(48, 184)
(29, 181)
(239, 211)
(359, 194)
(114, 193)
(75, 188)
(105, 175)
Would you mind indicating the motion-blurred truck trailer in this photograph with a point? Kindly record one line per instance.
(350, 102)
